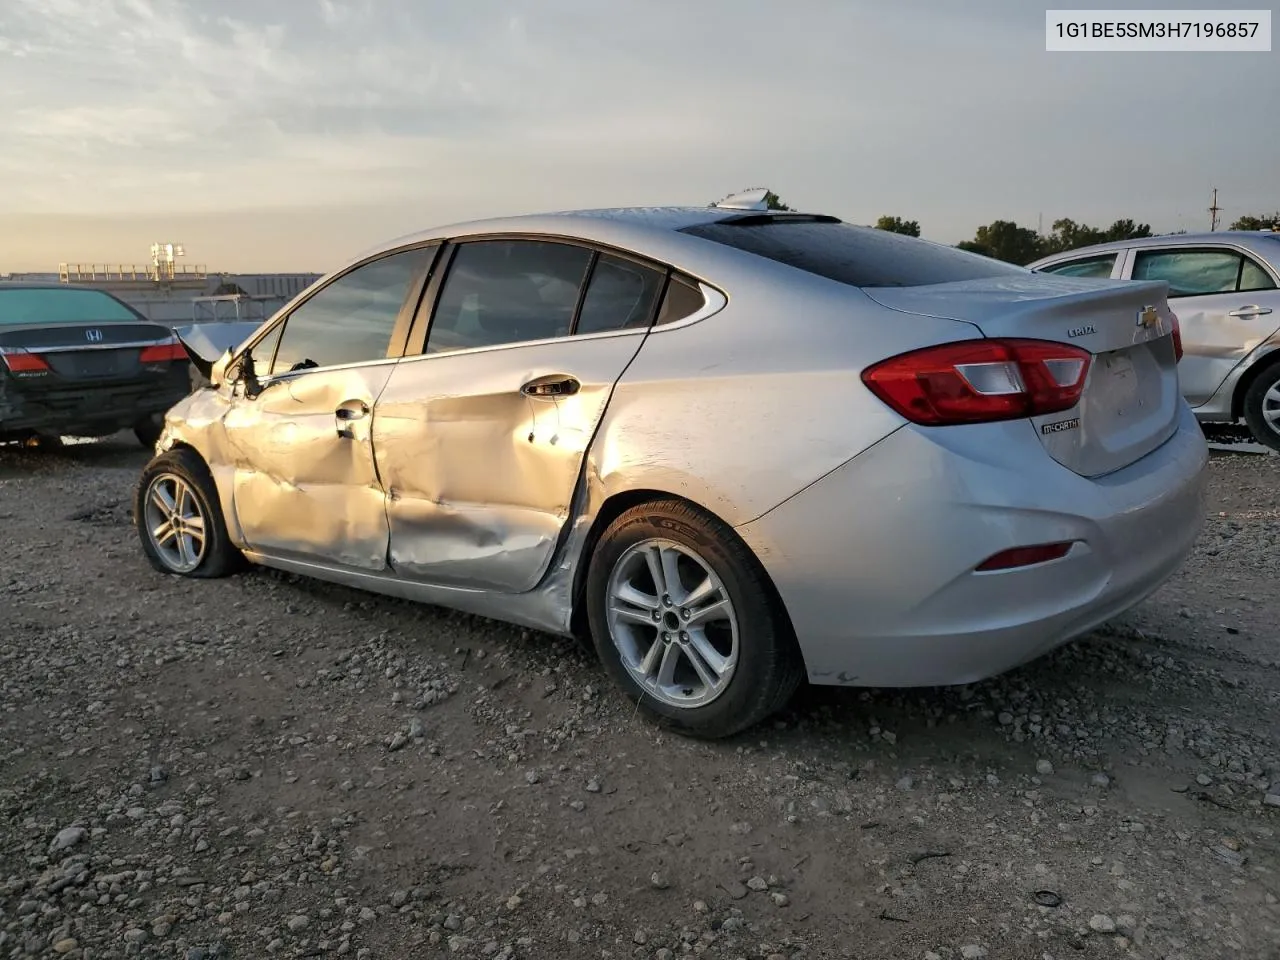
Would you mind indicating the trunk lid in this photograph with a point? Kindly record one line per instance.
(1131, 397)
(81, 352)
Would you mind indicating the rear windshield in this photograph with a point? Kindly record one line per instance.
(859, 256)
(58, 305)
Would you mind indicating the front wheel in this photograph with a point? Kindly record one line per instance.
(1262, 407)
(179, 518)
(686, 622)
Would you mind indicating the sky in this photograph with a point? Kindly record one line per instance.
(273, 135)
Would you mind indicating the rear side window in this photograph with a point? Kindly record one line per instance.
(1089, 267)
(859, 256)
(60, 305)
(1191, 273)
(621, 295)
(683, 299)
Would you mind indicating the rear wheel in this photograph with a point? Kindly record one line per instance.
(148, 430)
(179, 519)
(685, 621)
(1262, 407)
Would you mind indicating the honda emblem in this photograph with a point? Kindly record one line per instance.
(93, 336)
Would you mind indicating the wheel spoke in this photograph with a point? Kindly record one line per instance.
(671, 575)
(195, 523)
(700, 594)
(650, 662)
(700, 667)
(629, 614)
(670, 660)
(717, 610)
(184, 550)
(653, 557)
(705, 652)
(629, 595)
(163, 499)
(162, 533)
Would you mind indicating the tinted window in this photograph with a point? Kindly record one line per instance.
(860, 256)
(1092, 267)
(620, 294)
(60, 305)
(1192, 273)
(507, 291)
(351, 319)
(682, 299)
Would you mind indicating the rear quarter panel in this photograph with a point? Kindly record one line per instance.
(741, 410)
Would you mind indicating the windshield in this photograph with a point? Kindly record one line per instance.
(20, 305)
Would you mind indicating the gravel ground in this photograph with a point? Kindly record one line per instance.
(264, 766)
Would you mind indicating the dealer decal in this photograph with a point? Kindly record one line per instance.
(1060, 426)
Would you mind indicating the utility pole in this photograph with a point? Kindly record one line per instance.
(1214, 211)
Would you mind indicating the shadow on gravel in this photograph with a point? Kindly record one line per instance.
(122, 450)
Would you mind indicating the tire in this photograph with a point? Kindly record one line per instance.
(746, 649)
(182, 478)
(1262, 400)
(148, 430)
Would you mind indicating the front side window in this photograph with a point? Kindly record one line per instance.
(352, 319)
(507, 291)
(1192, 273)
(1089, 267)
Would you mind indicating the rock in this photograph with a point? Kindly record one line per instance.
(758, 884)
(532, 777)
(700, 906)
(972, 951)
(1100, 780)
(593, 785)
(779, 899)
(577, 806)
(658, 881)
(1272, 800)
(1204, 779)
(135, 935)
(1101, 923)
(66, 945)
(297, 923)
(736, 890)
(67, 838)
(398, 740)
(906, 783)
(1044, 768)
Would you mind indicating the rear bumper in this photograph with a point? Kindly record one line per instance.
(875, 562)
(90, 409)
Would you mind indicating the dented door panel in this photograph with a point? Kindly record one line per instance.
(479, 476)
(305, 483)
(1214, 342)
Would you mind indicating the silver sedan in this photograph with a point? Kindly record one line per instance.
(729, 448)
(1225, 288)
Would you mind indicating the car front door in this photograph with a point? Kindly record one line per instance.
(298, 429)
(480, 438)
(1225, 300)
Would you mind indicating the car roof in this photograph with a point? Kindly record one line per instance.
(1247, 238)
(624, 227)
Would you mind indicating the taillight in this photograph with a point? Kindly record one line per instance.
(22, 362)
(1026, 556)
(1177, 338)
(980, 381)
(169, 350)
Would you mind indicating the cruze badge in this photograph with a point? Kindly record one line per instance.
(1084, 331)
(1148, 317)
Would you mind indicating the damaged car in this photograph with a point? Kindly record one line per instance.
(730, 448)
(81, 362)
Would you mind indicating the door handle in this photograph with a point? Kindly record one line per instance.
(347, 414)
(1250, 311)
(552, 385)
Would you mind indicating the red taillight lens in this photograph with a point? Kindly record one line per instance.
(1177, 339)
(980, 381)
(1026, 556)
(166, 352)
(19, 361)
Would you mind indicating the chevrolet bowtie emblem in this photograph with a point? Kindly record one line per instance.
(1148, 317)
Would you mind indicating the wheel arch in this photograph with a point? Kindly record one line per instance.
(615, 506)
(1264, 363)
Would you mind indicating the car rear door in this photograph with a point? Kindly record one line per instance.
(305, 485)
(480, 436)
(1226, 300)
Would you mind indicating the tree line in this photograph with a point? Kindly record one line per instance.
(1006, 240)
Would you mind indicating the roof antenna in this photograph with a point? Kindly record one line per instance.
(753, 199)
